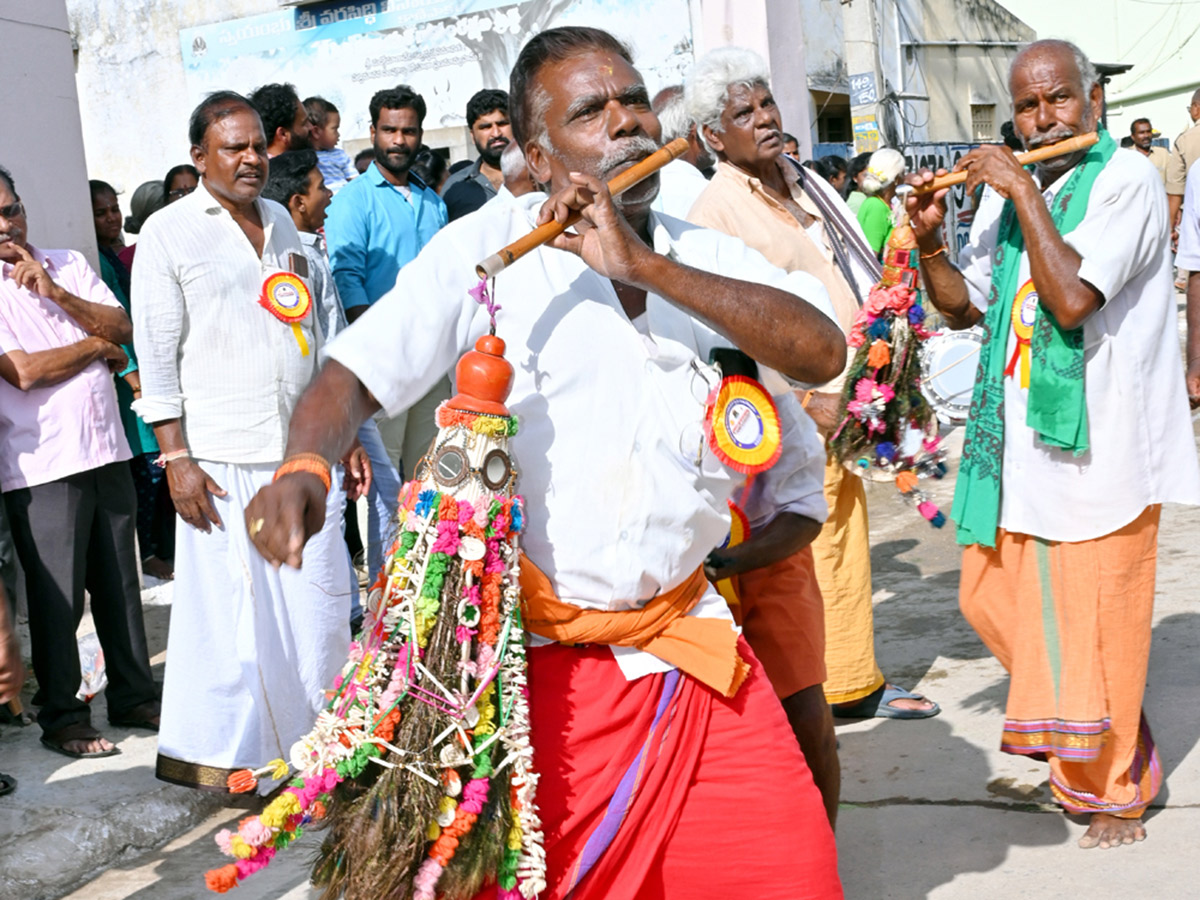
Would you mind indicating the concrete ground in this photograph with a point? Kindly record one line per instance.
(931, 808)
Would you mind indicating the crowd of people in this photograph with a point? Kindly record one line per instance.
(210, 404)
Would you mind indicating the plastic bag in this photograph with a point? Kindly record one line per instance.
(91, 664)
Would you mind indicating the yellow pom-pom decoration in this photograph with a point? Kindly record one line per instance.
(240, 848)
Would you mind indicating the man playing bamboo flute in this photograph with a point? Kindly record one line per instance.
(608, 330)
(1078, 432)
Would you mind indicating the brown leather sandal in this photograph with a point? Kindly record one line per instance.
(77, 731)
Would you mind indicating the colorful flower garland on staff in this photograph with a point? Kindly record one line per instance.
(889, 430)
(385, 677)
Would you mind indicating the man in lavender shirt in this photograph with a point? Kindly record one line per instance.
(66, 481)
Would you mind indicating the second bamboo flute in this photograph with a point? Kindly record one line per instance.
(1070, 145)
(497, 262)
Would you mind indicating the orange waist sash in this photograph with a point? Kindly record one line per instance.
(706, 649)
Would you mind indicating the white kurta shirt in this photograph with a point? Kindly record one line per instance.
(679, 184)
(206, 350)
(622, 501)
(796, 483)
(1142, 450)
(1188, 257)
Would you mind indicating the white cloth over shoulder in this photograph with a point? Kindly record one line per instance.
(1142, 450)
(679, 184)
(252, 648)
(623, 499)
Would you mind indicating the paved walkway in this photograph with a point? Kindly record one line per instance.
(931, 808)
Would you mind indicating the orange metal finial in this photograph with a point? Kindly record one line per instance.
(484, 378)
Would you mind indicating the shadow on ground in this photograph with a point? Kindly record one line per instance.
(1171, 688)
(176, 871)
(918, 620)
(70, 817)
(900, 847)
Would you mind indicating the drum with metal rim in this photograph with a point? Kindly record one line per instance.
(949, 361)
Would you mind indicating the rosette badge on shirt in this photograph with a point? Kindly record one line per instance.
(287, 298)
(1024, 317)
(743, 425)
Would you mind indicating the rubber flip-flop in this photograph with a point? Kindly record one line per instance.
(8, 784)
(877, 705)
(78, 731)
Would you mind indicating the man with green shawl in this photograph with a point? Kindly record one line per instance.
(1078, 432)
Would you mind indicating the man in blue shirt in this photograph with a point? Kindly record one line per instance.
(378, 223)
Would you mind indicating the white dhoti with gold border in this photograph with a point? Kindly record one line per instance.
(251, 649)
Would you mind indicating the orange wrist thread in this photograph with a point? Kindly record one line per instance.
(313, 463)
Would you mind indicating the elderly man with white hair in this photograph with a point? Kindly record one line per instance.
(684, 180)
(798, 222)
(1079, 431)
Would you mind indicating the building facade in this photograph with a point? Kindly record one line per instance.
(943, 64)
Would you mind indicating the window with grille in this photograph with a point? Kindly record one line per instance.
(983, 121)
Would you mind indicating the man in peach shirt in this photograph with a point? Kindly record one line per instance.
(800, 224)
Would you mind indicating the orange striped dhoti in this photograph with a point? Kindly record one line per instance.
(1071, 624)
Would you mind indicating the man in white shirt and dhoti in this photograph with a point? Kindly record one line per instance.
(225, 332)
(1078, 432)
(609, 341)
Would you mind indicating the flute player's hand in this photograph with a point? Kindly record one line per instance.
(996, 166)
(926, 212)
(603, 238)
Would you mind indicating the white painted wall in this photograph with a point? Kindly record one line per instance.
(133, 101)
(1161, 39)
(133, 96)
(41, 143)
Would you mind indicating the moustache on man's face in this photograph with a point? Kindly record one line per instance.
(633, 149)
(1042, 140)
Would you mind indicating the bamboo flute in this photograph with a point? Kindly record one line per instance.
(501, 260)
(1070, 145)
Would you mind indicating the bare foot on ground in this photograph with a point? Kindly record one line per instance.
(1107, 831)
(905, 703)
(158, 568)
(99, 745)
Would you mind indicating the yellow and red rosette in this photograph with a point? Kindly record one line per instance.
(739, 530)
(1024, 317)
(743, 425)
(287, 298)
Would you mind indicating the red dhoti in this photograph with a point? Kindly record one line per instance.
(708, 796)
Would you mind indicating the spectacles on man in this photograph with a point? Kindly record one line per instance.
(180, 193)
(12, 210)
